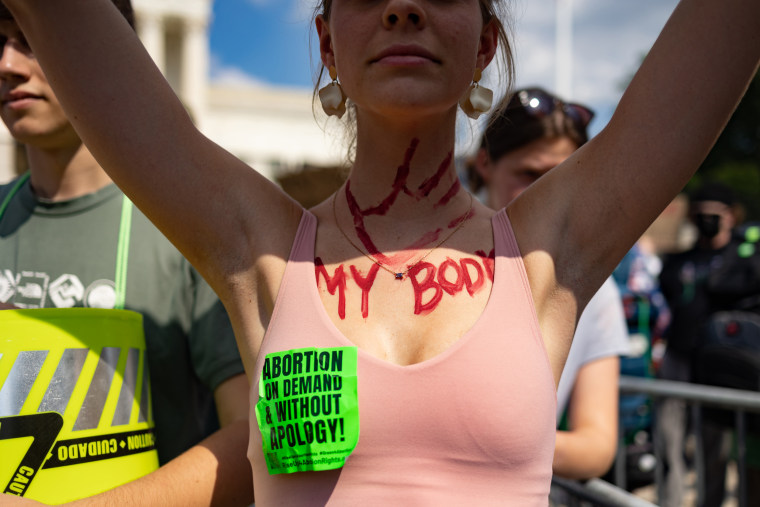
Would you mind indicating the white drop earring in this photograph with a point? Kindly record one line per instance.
(332, 97)
(477, 99)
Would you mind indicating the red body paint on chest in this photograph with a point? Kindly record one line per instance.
(428, 282)
(335, 282)
(365, 284)
(445, 282)
(420, 287)
(472, 286)
(489, 261)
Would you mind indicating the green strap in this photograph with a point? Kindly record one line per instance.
(122, 248)
(122, 253)
(13, 192)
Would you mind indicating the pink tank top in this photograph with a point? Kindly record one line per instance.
(471, 426)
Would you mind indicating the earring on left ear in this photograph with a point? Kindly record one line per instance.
(332, 97)
(477, 99)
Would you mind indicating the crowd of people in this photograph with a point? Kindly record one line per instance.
(709, 280)
(403, 341)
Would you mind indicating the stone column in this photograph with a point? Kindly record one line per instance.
(7, 156)
(150, 28)
(195, 65)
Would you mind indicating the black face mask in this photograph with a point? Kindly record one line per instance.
(707, 225)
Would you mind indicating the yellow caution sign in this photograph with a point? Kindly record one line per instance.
(75, 416)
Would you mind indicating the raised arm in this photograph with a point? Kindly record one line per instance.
(217, 210)
(605, 196)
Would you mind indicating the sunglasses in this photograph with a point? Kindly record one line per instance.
(538, 104)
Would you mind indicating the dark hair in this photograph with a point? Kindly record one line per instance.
(518, 124)
(124, 6)
(713, 191)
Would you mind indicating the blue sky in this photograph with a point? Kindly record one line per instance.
(267, 41)
(261, 40)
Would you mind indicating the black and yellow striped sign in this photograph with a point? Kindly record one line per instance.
(75, 416)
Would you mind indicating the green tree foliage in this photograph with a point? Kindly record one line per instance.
(735, 158)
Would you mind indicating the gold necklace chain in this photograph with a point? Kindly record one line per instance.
(399, 275)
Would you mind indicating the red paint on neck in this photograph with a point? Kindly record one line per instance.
(466, 216)
(449, 195)
(400, 185)
(431, 183)
(409, 252)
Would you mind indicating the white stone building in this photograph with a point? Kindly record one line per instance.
(272, 129)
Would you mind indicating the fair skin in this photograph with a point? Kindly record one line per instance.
(510, 175)
(405, 63)
(62, 168)
(588, 448)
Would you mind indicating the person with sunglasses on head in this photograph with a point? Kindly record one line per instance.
(63, 224)
(437, 326)
(536, 132)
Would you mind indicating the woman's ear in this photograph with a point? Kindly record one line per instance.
(483, 165)
(325, 42)
(489, 41)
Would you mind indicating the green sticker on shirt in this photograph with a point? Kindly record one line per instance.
(308, 409)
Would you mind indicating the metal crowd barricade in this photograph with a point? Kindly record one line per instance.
(599, 493)
(698, 396)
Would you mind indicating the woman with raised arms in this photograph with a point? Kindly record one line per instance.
(404, 313)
